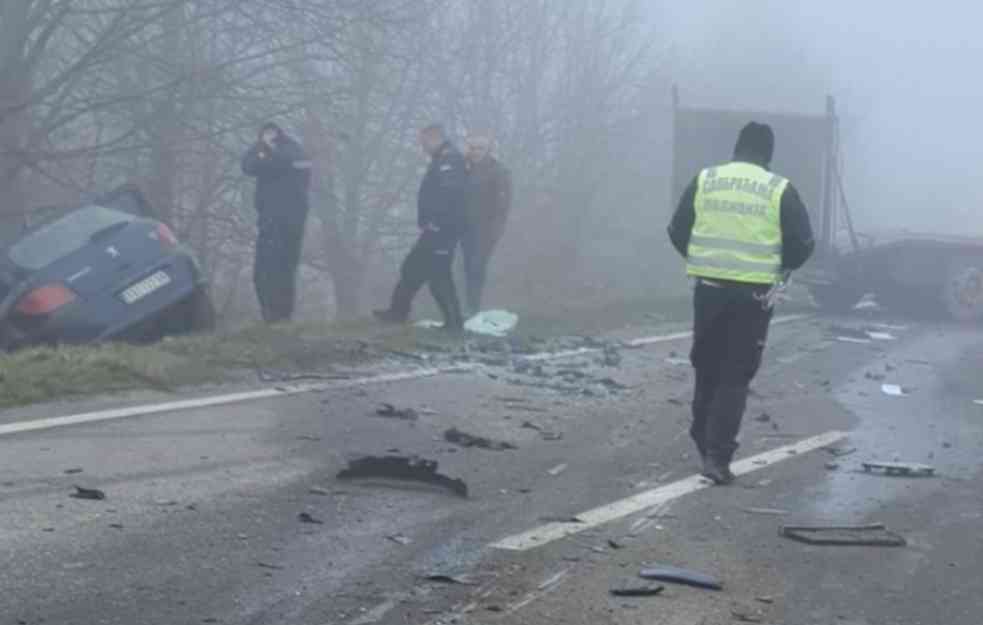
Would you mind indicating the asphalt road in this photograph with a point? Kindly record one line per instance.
(201, 524)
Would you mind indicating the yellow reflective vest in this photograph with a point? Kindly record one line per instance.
(737, 234)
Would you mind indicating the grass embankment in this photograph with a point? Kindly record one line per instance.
(46, 374)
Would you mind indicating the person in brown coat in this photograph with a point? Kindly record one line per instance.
(489, 203)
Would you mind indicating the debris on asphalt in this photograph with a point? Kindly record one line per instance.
(402, 468)
(317, 490)
(560, 519)
(308, 437)
(611, 383)
(677, 575)
(832, 466)
(74, 470)
(903, 469)
(764, 417)
(743, 615)
(448, 578)
(767, 511)
(391, 412)
(675, 402)
(677, 362)
(765, 599)
(116, 526)
(839, 452)
(850, 339)
(876, 377)
(267, 565)
(615, 544)
(881, 336)
(874, 535)
(399, 539)
(553, 580)
(978, 402)
(558, 469)
(632, 589)
(305, 517)
(88, 493)
(894, 390)
(456, 436)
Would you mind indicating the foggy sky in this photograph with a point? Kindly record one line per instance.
(906, 77)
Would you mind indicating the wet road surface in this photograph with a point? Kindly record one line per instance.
(200, 523)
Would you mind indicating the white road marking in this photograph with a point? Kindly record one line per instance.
(298, 389)
(551, 532)
(218, 400)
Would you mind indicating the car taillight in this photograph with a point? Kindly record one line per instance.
(166, 235)
(44, 300)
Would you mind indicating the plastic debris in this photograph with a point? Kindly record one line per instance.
(681, 576)
(429, 324)
(392, 412)
(874, 535)
(882, 336)
(305, 517)
(909, 469)
(558, 469)
(497, 323)
(448, 578)
(88, 493)
(637, 590)
(456, 436)
(402, 468)
(894, 390)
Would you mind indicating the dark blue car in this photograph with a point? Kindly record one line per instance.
(104, 270)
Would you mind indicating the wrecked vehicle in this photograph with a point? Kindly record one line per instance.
(102, 270)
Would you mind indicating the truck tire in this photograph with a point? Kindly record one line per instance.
(835, 298)
(962, 293)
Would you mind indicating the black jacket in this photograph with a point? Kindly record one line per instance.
(797, 241)
(281, 187)
(442, 199)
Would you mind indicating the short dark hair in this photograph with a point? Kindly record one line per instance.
(756, 141)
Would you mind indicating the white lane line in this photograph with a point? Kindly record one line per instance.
(219, 400)
(550, 532)
(298, 389)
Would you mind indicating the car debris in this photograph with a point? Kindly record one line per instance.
(764, 417)
(873, 535)
(881, 336)
(832, 466)
(399, 539)
(678, 575)
(558, 469)
(615, 544)
(317, 490)
(904, 469)
(88, 493)
(73, 471)
(894, 390)
(850, 339)
(767, 511)
(767, 599)
(391, 412)
(268, 565)
(632, 589)
(743, 615)
(839, 452)
(876, 377)
(677, 362)
(306, 517)
(456, 436)
(402, 468)
(448, 578)
(560, 519)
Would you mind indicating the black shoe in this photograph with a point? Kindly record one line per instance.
(717, 473)
(388, 316)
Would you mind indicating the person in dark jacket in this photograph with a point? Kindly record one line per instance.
(441, 220)
(489, 203)
(283, 175)
(741, 229)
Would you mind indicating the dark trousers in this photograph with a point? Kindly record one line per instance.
(278, 248)
(730, 328)
(429, 262)
(477, 253)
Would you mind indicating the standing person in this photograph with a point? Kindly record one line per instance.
(440, 217)
(740, 229)
(489, 203)
(283, 176)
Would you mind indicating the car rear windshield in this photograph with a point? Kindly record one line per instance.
(65, 236)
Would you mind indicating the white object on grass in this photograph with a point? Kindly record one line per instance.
(893, 390)
(428, 324)
(492, 323)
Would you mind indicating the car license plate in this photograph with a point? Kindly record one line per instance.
(145, 287)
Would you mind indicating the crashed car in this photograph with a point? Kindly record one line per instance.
(106, 269)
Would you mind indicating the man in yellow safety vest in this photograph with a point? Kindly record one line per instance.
(740, 228)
